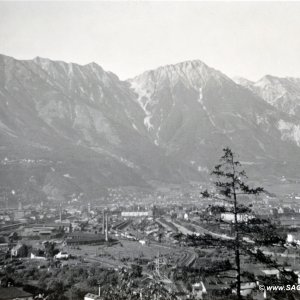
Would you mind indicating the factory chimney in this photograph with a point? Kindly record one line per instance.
(106, 228)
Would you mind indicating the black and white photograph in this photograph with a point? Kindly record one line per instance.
(149, 150)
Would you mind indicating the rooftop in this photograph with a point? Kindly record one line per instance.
(92, 296)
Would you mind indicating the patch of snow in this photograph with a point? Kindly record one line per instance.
(134, 126)
(289, 131)
(156, 142)
(200, 95)
(143, 95)
(68, 176)
(200, 100)
(127, 163)
(100, 91)
(70, 70)
(202, 169)
(147, 122)
(261, 120)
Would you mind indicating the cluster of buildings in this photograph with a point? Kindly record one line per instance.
(136, 220)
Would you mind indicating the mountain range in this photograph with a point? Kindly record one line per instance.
(69, 129)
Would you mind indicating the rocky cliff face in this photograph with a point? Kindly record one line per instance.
(192, 111)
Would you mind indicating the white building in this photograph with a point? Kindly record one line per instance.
(62, 255)
(136, 214)
(229, 217)
(293, 238)
(91, 296)
(272, 273)
(247, 288)
(198, 290)
(32, 256)
(15, 251)
(290, 238)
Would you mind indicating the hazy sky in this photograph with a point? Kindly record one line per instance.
(248, 39)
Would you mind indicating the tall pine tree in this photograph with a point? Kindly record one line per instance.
(230, 183)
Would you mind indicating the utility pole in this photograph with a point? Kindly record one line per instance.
(158, 264)
(60, 213)
(6, 200)
(103, 222)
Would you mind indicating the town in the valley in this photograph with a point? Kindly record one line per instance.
(133, 244)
